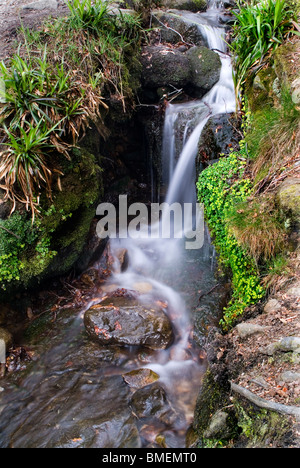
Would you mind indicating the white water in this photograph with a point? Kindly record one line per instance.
(152, 260)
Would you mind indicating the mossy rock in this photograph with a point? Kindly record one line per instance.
(164, 66)
(188, 5)
(74, 209)
(175, 27)
(212, 397)
(284, 63)
(205, 66)
(289, 199)
(258, 427)
(260, 91)
(56, 240)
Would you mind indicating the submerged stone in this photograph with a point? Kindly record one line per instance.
(152, 401)
(125, 322)
(140, 378)
(69, 410)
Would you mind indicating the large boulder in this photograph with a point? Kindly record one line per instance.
(122, 321)
(152, 401)
(176, 28)
(163, 66)
(189, 5)
(205, 67)
(196, 71)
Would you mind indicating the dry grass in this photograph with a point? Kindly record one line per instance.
(257, 227)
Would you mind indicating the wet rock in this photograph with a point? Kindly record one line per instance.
(196, 71)
(121, 263)
(69, 410)
(175, 28)
(205, 66)
(218, 136)
(152, 401)
(164, 66)
(247, 329)
(125, 322)
(140, 378)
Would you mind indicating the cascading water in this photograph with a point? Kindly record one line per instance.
(153, 261)
(68, 401)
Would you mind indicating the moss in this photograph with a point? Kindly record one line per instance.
(260, 90)
(250, 426)
(67, 221)
(211, 398)
(55, 242)
(260, 428)
(288, 197)
(284, 63)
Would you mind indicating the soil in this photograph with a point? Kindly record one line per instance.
(245, 361)
(12, 17)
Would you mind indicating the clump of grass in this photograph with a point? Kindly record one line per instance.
(90, 15)
(55, 86)
(44, 111)
(257, 227)
(275, 148)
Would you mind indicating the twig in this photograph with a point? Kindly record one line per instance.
(210, 291)
(10, 232)
(174, 30)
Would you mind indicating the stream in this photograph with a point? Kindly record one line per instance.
(80, 394)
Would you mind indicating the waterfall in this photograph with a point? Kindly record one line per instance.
(154, 261)
(220, 99)
(149, 258)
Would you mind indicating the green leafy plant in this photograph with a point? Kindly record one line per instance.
(220, 187)
(53, 90)
(92, 15)
(24, 165)
(260, 27)
(18, 236)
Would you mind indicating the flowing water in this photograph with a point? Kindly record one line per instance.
(41, 410)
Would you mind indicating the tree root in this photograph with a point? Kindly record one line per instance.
(268, 405)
